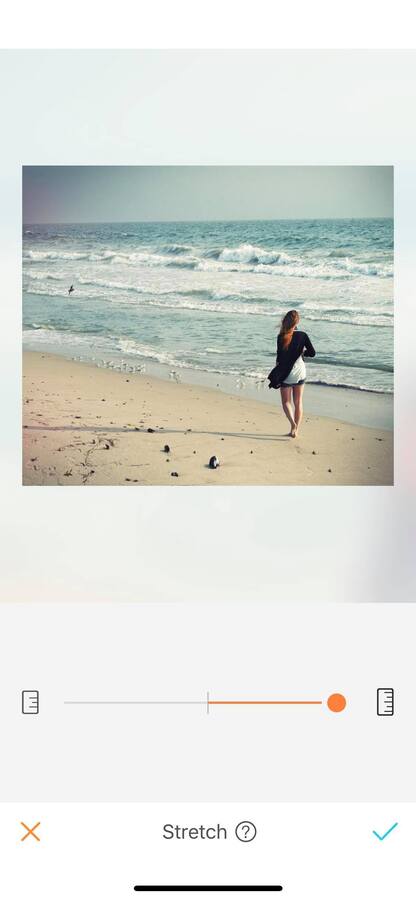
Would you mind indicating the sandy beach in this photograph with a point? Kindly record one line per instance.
(85, 425)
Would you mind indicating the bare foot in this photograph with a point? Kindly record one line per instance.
(293, 431)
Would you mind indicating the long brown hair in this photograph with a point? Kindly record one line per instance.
(289, 322)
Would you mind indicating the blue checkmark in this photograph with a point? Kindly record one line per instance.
(381, 837)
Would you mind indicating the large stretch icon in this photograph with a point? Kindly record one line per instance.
(385, 702)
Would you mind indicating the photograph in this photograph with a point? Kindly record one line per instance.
(208, 325)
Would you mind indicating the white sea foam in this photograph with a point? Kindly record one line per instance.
(246, 253)
(44, 276)
(42, 334)
(111, 285)
(44, 255)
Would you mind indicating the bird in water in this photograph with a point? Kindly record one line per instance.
(71, 289)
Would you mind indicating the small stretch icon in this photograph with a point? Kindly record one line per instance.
(385, 702)
(30, 703)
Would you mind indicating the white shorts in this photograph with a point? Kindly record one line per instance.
(297, 372)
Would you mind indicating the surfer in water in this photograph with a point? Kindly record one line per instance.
(71, 289)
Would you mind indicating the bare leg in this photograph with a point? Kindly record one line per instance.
(298, 401)
(286, 395)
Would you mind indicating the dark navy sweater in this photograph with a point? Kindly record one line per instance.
(286, 358)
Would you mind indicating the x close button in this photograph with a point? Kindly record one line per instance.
(30, 832)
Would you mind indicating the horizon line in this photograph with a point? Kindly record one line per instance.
(192, 221)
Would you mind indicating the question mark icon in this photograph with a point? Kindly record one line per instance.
(245, 831)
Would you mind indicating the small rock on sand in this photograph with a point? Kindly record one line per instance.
(174, 475)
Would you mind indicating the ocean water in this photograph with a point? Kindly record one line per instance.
(209, 296)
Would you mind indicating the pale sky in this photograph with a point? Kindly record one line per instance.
(59, 194)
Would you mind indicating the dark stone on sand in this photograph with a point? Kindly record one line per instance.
(102, 399)
(174, 475)
(127, 479)
(151, 430)
(251, 451)
(166, 448)
(214, 462)
(313, 452)
(329, 470)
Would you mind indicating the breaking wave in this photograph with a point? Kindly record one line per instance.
(247, 257)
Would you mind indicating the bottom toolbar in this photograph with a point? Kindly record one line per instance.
(111, 850)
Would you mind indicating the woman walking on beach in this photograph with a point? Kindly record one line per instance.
(290, 373)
